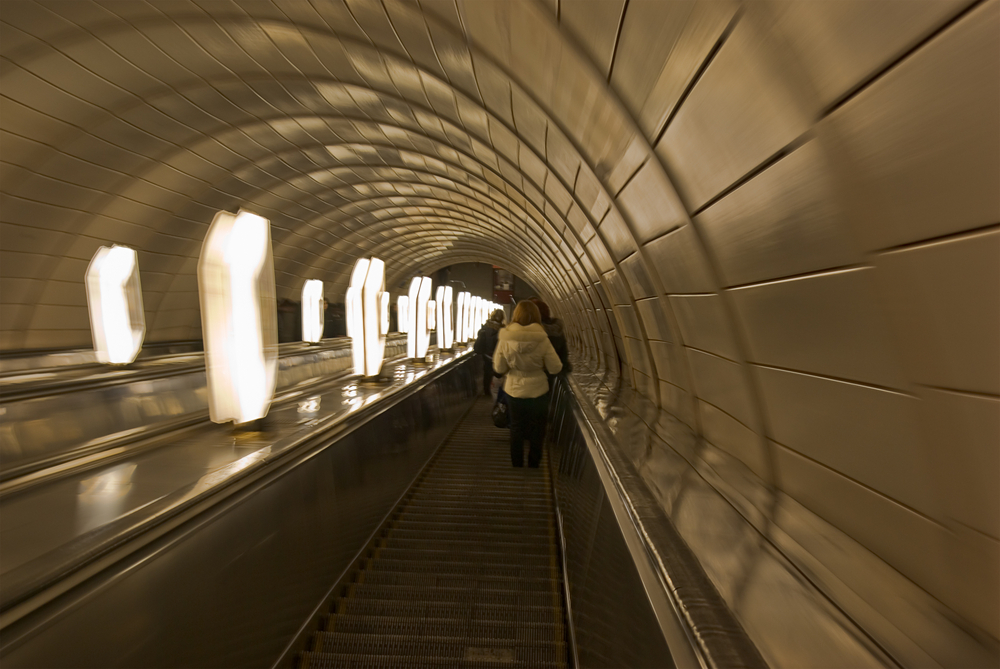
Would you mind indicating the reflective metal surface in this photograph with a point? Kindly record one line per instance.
(47, 425)
(223, 540)
(805, 592)
(749, 211)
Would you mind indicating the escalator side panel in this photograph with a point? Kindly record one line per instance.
(614, 624)
(230, 588)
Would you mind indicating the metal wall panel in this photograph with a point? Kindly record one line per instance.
(704, 324)
(722, 383)
(943, 100)
(828, 324)
(784, 221)
(747, 106)
(681, 263)
(881, 446)
(941, 298)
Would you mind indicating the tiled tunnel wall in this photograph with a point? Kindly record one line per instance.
(783, 217)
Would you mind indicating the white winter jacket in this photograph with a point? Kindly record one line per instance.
(524, 353)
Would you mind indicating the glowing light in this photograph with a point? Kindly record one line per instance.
(460, 317)
(312, 311)
(411, 317)
(470, 318)
(446, 325)
(431, 318)
(238, 316)
(114, 296)
(384, 314)
(423, 336)
(439, 316)
(355, 308)
(403, 315)
(374, 316)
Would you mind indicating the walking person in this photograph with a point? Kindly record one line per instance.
(486, 344)
(525, 354)
(557, 335)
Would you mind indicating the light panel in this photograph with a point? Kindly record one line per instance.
(460, 317)
(114, 298)
(447, 326)
(238, 316)
(423, 338)
(412, 309)
(374, 289)
(312, 311)
(403, 315)
(355, 308)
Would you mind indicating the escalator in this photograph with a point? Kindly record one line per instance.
(465, 573)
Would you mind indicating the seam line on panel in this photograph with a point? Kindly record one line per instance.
(663, 234)
(689, 294)
(699, 73)
(858, 483)
(907, 52)
(711, 353)
(702, 400)
(959, 391)
(970, 528)
(930, 241)
(783, 152)
(629, 179)
(838, 379)
(842, 269)
(618, 37)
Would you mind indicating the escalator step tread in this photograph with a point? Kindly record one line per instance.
(387, 608)
(449, 626)
(548, 650)
(464, 574)
(475, 659)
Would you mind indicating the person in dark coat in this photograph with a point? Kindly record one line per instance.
(486, 344)
(557, 335)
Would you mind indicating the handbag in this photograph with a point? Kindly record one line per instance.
(501, 409)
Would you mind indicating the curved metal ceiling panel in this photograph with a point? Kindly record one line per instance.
(748, 206)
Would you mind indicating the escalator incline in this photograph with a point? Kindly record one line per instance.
(464, 574)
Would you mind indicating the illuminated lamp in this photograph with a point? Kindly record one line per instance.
(355, 308)
(446, 325)
(459, 315)
(375, 329)
(420, 312)
(431, 315)
(384, 320)
(403, 314)
(312, 311)
(238, 316)
(114, 296)
(367, 306)
(471, 317)
(411, 317)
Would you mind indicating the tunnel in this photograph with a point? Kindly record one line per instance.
(770, 228)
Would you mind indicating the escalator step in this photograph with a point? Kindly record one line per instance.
(436, 646)
(464, 574)
(448, 627)
(474, 659)
(391, 609)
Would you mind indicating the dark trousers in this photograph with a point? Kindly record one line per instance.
(487, 374)
(527, 421)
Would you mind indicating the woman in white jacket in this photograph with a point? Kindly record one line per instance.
(524, 353)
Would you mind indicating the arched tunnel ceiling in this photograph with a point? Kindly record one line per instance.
(304, 116)
(778, 219)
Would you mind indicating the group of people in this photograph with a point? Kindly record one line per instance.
(530, 352)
